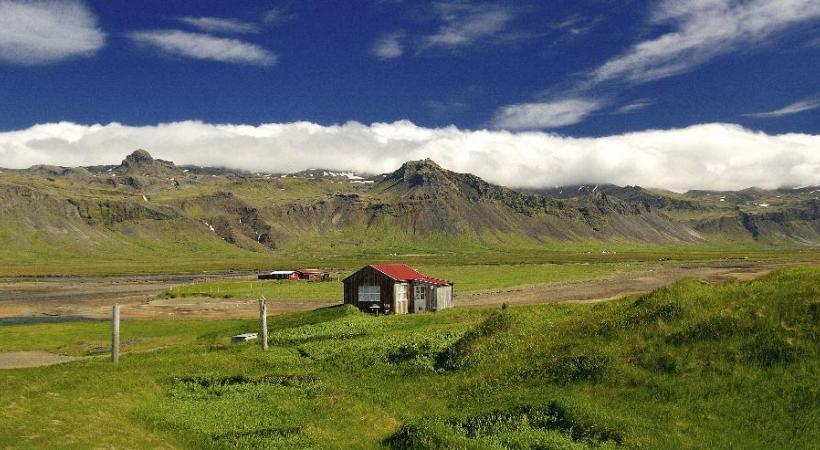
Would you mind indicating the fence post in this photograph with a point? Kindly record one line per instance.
(115, 334)
(263, 320)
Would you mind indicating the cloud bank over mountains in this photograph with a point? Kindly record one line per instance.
(708, 156)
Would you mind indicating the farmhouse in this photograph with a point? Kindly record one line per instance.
(313, 274)
(279, 275)
(296, 275)
(396, 289)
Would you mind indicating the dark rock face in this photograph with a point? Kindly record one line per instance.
(140, 162)
(110, 212)
(233, 220)
(140, 158)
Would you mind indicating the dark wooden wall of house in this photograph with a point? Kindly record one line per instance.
(370, 277)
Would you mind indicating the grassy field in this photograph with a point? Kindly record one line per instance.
(465, 278)
(691, 365)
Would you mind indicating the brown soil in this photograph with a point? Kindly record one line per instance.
(91, 297)
(609, 288)
(19, 360)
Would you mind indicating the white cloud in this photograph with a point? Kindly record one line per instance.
(700, 31)
(203, 46)
(694, 32)
(389, 46)
(42, 32)
(539, 115)
(630, 108)
(464, 24)
(220, 25)
(276, 15)
(711, 156)
(807, 104)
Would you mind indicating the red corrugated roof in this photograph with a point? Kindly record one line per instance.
(403, 272)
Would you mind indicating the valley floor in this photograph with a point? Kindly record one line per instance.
(55, 299)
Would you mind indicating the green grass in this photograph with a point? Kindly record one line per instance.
(691, 365)
(272, 289)
(92, 337)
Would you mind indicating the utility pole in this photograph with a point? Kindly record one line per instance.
(115, 334)
(263, 321)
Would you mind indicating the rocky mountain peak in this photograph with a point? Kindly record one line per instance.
(138, 158)
(141, 162)
(424, 172)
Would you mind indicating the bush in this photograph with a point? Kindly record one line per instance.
(522, 427)
(768, 349)
(646, 312)
(455, 356)
(576, 368)
(714, 329)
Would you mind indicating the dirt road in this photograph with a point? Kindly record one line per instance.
(611, 287)
(65, 298)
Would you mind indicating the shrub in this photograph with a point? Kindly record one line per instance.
(646, 312)
(455, 356)
(576, 368)
(768, 349)
(210, 386)
(714, 328)
(525, 426)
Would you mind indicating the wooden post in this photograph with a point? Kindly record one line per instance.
(263, 320)
(115, 334)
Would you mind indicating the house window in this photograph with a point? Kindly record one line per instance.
(369, 294)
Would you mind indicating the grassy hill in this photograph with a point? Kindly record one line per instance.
(691, 365)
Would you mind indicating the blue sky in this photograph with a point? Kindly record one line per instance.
(433, 63)
(640, 88)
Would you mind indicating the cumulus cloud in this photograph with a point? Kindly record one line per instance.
(204, 46)
(220, 25)
(806, 104)
(711, 156)
(700, 31)
(389, 46)
(42, 32)
(551, 114)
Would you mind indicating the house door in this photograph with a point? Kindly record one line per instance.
(401, 298)
(419, 299)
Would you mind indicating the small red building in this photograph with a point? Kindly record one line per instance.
(279, 275)
(396, 289)
(313, 274)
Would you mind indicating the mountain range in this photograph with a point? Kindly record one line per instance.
(144, 204)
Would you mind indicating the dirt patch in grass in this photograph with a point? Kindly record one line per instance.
(19, 360)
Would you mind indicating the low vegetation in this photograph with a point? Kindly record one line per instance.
(691, 365)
